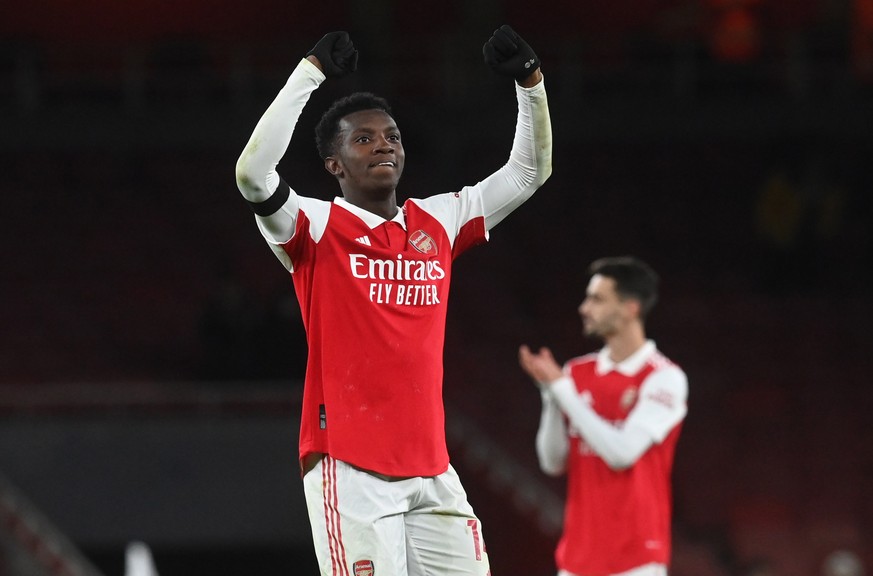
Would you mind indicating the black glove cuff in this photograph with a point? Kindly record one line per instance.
(528, 68)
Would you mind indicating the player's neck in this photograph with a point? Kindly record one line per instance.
(624, 344)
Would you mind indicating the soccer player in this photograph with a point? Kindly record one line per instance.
(610, 421)
(372, 279)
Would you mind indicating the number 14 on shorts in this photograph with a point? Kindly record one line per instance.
(477, 541)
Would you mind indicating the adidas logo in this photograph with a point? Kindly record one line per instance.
(365, 240)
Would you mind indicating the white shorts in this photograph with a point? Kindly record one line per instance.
(646, 570)
(366, 525)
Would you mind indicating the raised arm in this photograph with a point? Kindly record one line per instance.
(269, 197)
(530, 160)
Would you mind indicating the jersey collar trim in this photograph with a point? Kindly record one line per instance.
(630, 365)
(370, 219)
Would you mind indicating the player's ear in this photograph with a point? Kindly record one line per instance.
(333, 166)
(634, 307)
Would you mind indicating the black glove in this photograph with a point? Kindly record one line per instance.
(509, 55)
(336, 53)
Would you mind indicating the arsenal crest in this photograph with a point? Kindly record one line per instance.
(423, 243)
(628, 398)
(364, 568)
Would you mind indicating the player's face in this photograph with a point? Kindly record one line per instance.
(604, 313)
(370, 155)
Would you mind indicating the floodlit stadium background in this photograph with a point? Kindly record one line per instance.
(150, 356)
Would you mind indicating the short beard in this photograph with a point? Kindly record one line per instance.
(596, 334)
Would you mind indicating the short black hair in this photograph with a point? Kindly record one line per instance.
(633, 279)
(327, 129)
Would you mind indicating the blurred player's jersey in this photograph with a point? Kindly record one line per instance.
(618, 520)
(374, 296)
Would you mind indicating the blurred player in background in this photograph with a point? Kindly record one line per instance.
(610, 421)
(372, 279)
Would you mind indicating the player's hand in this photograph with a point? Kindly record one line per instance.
(540, 365)
(509, 55)
(336, 54)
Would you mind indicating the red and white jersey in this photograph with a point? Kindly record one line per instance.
(374, 296)
(616, 520)
(374, 293)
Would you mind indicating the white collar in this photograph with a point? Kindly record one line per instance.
(370, 219)
(630, 365)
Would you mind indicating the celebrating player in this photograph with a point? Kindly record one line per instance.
(611, 420)
(372, 279)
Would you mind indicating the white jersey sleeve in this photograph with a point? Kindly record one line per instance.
(256, 174)
(662, 405)
(530, 160)
(528, 167)
(552, 443)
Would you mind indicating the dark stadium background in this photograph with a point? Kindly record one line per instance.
(150, 354)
